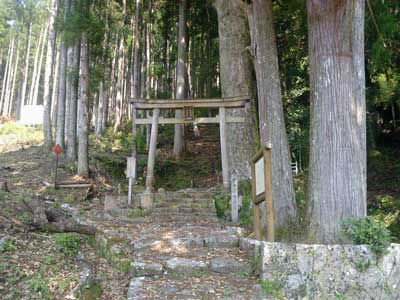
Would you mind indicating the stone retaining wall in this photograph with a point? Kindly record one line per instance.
(325, 272)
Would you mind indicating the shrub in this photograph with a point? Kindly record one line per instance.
(221, 201)
(369, 232)
(68, 243)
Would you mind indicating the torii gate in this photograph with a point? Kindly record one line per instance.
(188, 106)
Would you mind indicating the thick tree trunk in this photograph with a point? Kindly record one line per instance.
(270, 108)
(180, 75)
(337, 180)
(83, 115)
(48, 139)
(236, 80)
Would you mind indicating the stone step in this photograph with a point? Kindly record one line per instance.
(174, 210)
(212, 241)
(186, 204)
(184, 215)
(207, 286)
(181, 265)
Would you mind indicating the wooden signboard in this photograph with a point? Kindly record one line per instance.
(261, 169)
(131, 167)
(131, 174)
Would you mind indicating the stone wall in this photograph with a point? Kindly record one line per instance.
(325, 272)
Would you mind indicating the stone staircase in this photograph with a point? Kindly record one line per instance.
(190, 254)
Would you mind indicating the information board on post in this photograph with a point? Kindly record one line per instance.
(261, 166)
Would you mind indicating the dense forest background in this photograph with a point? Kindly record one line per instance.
(133, 47)
(110, 26)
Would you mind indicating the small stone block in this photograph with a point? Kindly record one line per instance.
(145, 269)
(146, 200)
(226, 265)
(185, 265)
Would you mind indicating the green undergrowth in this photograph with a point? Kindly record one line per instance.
(223, 207)
(384, 188)
(368, 231)
(68, 243)
(21, 131)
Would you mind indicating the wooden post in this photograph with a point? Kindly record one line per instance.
(224, 147)
(269, 205)
(256, 208)
(152, 151)
(134, 154)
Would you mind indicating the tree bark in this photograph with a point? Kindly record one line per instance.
(270, 109)
(48, 139)
(236, 80)
(337, 180)
(180, 76)
(83, 118)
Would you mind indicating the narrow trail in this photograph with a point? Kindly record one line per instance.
(180, 250)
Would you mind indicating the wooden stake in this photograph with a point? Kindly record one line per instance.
(269, 205)
(256, 208)
(224, 148)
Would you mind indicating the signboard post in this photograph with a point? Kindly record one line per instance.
(57, 150)
(262, 191)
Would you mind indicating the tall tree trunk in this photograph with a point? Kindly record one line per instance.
(26, 71)
(337, 180)
(83, 115)
(72, 115)
(180, 76)
(60, 129)
(9, 80)
(36, 63)
(270, 108)
(48, 139)
(136, 71)
(236, 80)
(10, 108)
(39, 70)
(55, 85)
(121, 69)
(6, 71)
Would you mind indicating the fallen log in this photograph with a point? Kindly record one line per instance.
(47, 218)
(69, 185)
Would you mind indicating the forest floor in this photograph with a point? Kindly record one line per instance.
(38, 265)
